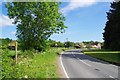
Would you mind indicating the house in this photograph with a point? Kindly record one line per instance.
(98, 45)
(79, 45)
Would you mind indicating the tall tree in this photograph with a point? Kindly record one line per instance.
(112, 28)
(36, 22)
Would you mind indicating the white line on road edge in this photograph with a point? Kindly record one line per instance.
(63, 66)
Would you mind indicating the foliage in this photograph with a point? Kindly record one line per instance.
(91, 42)
(9, 69)
(37, 65)
(53, 43)
(88, 42)
(36, 22)
(4, 42)
(112, 29)
(69, 44)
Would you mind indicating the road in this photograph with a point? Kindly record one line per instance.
(75, 64)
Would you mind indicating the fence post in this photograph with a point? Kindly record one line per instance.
(16, 51)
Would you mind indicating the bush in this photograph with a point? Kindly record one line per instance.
(9, 68)
(7, 65)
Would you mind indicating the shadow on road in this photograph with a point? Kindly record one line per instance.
(75, 54)
(76, 51)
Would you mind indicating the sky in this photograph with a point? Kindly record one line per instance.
(85, 21)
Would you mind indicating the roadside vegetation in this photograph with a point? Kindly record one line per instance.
(31, 64)
(106, 55)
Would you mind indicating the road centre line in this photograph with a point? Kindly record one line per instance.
(111, 77)
(85, 63)
(81, 60)
(90, 65)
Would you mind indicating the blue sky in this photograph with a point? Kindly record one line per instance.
(85, 21)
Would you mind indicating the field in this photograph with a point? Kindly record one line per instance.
(106, 55)
(31, 64)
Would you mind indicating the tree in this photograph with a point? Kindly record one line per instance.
(53, 43)
(112, 29)
(69, 44)
(36, 22)
(4, 43)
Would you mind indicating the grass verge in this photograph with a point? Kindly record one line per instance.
(106, 55)
(32, 64)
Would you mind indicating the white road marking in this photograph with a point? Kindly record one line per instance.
(63, 66)
(111, 77)
(82, 61)
(85, 63)
(89, 64)
(114, 66)
(73, 54)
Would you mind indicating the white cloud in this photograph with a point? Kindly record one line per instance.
(14, 32)
(75, 4)
(5, 21)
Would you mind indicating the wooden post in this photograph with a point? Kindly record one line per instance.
(16, 51)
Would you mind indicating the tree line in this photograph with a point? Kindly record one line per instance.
(8, 43)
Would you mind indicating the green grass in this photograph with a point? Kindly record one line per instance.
(43, 65)
(32, 64)
(107, 55)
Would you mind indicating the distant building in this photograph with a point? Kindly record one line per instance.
(80, 45)
(96, 45)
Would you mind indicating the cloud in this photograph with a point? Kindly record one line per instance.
(5, 21)
(14, 32)
(75, 4)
